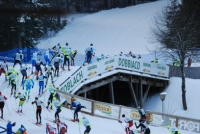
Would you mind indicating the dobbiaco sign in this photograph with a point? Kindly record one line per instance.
(72, 81)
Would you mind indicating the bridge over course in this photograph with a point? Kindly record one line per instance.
(119, 80)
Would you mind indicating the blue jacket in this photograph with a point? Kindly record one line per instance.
(9, 128)
(75, 104)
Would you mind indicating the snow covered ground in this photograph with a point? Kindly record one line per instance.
(111, 31)
(99, 125)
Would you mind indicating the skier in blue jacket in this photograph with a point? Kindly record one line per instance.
(41, 78)
(29, 83)
(77, 106)
(9, 127)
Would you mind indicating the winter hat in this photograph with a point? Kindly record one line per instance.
(47, 123)
(91, 44)
(66, 44)
(9, 121)
(0, 93)
(83, 117)
(123, 115)
(4, 61)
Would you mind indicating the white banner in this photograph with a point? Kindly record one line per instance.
(103, 66)
(104, 109)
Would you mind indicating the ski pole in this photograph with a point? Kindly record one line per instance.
(8, 108)
(81, 58)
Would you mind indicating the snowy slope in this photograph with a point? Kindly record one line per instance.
(99, 125)
(111, 31)
(173, 101)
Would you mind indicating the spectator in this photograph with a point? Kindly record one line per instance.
(9, 127)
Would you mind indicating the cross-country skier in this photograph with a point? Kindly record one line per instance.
(2, 99)
(72, 56)
(144, 126)
(9, 72)
(66, 52)
(56, 49)
(3, 68)
(29, 83)
(50, 129)
(100, 57)
(52, 91)
(21, 130)
(22, 99)
(9, 127)
(128, 122)
(62, 127)
(89, 53)
(18, 58)
(23, 70)
(46, 56)
(57, 104)
(41, 78)
(38, 109)
(57, 61)
(173, 130)
(34, 59)
(142, 113)
(78, 106)
(49, 72)
(14, 77)
(86, 123)
(38, 68)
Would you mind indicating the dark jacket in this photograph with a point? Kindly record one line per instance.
(9, 128)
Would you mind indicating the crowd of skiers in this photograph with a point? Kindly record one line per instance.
(60, 55)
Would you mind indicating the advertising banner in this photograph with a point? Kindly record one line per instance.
(107, 110)
(73, 81)
(192, 126)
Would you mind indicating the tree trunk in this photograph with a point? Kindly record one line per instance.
(183, 84)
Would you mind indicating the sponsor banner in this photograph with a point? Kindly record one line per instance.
(192, 126)
(104, 109)
(99, 67)
(73, 81)
(91, 70)
(142, 66)
(133, 114)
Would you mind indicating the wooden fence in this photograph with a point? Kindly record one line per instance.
(114, 112)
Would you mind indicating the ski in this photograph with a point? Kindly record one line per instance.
(68, 119)
(37, 124)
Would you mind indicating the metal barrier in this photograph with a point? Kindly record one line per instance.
(111, 111)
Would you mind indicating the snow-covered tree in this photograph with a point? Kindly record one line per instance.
(176, 34)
